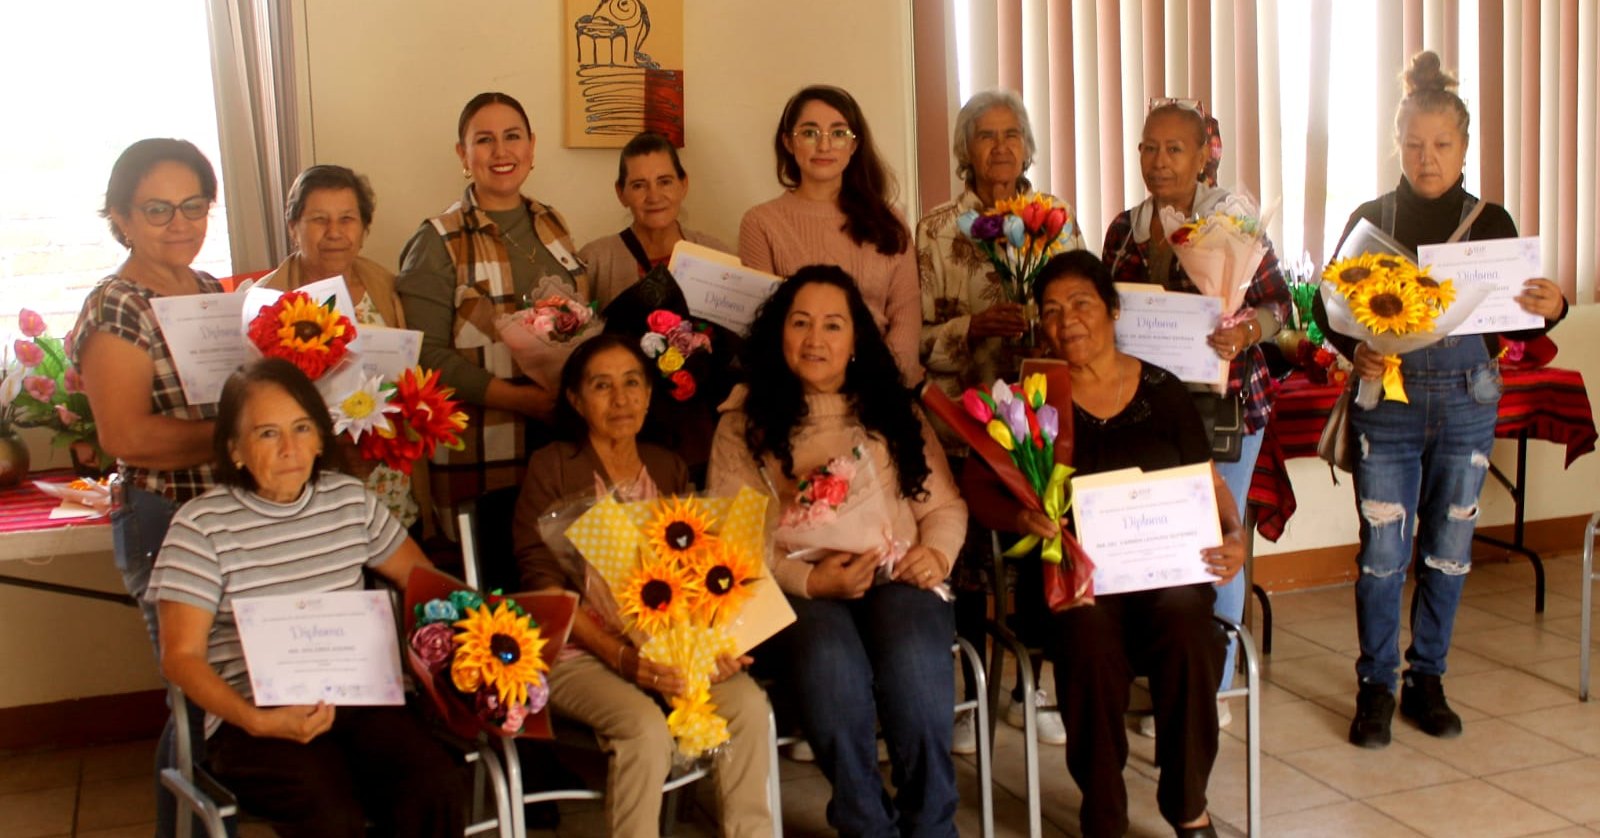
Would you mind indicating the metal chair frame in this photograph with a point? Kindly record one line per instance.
(1004, 640)
(1587, 580)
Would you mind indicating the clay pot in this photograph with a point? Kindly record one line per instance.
(13, 461)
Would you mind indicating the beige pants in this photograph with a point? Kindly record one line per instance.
(633, 730)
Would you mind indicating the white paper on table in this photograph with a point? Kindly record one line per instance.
(1502, 264)
(717, 287)
(204, 337)
(1170, 331)
(338, 647)
(1144, 529)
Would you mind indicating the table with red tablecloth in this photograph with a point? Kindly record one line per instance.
(29, 534)
(1545, 403)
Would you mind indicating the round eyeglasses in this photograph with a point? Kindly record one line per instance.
(839, 137)
(160, 213)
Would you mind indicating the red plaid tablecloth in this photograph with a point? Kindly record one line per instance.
(23, 508)
(1546, 403)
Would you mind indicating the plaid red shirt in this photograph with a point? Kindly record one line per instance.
(121, 307)
(1128, 260)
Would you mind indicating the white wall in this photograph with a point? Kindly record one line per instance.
(386, 89)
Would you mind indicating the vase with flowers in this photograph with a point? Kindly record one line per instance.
(40, 388)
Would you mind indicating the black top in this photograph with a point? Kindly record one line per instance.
(1419, 221)
(1158, 429)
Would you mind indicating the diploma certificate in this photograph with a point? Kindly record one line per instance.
(718, 288)
(339, 647)
(1145, 530)
(205, 340)
(1503, 264)
(1170, 330)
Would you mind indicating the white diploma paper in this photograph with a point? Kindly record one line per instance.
(1170, 331)
(1503, 264)
(338, 647)
(377, 351)
(204, 336)
(717, 287)
(1145, 530)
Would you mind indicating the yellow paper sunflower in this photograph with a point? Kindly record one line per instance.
(499, 649)
(679, 529)
(1439, 293)
(723, 577)
(1347, 274)
(1389, 305)
(655, 596)
(295, 328)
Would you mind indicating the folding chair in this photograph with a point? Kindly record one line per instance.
(1005, 640)
(1587, 580)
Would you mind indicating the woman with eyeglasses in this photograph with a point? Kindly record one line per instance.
(478, 259)
(837, 208)
(157, 202)
(1178, 154)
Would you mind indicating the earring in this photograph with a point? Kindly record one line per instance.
(466, 173)
(238, 464)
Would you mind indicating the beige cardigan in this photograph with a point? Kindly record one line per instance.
(938, 521)
(612, 268)
(377, 279)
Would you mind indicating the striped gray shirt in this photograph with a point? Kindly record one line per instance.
(231, 543)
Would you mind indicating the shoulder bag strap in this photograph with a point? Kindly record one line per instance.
(636, 248)
(1468, 215)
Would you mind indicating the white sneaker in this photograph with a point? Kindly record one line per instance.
(965, 739)
(1147, 722)
(1050, 730)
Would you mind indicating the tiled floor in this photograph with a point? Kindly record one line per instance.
(1528, 764)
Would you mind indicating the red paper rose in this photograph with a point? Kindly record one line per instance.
(682, 385)
(662, 321)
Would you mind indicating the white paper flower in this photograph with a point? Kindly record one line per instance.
(363, 409)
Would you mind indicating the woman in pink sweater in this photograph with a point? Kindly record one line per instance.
(837, 208)
(870, 646)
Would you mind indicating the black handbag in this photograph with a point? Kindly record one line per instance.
(1223, 416)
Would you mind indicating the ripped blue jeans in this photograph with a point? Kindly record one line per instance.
(1420, 469)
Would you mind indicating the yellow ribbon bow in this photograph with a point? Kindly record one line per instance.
(1055, 505)
(1394, 386)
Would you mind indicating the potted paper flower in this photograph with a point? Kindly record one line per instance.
(39, 388)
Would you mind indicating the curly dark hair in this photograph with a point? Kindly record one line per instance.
(868, 193)
(775, 407)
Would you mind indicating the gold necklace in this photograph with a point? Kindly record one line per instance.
(525, 252)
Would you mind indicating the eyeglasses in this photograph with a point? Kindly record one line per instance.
(1192, 105)
(813, 136)
(160, 213)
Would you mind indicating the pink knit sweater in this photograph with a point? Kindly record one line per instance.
(938, 521)
(789, 232)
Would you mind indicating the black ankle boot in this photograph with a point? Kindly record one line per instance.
(1374, 712)
(1422, 701)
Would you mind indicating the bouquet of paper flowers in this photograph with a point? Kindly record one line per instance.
(670, 343)
(482, 659)
(1018, 236)
(313, 336)
(1024, 432)
(681, 569)
(397, 423)
(1220, 251)
(1386, 301)
(39, 387)
(541, 336)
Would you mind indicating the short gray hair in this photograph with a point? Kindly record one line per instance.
(967, 125)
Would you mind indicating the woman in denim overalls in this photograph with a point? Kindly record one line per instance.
(1421, 465)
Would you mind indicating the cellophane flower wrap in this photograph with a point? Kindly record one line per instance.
(1018, 236)
(402, 422)
(313, 336)
(681, 570)
(40, 388)
(1395, 307)
(1023, 432)
(1220, 251)
(542, 335)
(483, 659)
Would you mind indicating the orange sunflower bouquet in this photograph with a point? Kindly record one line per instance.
(1395, 307)
(313, 336)
(682, 570)
(482, 659)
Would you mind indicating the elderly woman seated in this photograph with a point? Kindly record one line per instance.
(600, 678)
(1126, 414)
(282, 521)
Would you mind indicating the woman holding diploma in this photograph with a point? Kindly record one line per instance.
(600, 678)
(283, 522)
(480, 258)
(1178, 155)
(1126, 414)
(1425, 461)
(652, 184)
(838, 209)
(871, 640)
